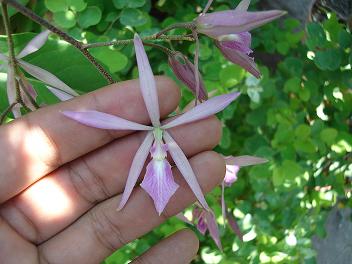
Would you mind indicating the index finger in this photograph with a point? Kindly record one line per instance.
(41, 141)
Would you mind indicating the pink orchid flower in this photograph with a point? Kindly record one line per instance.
(233, 165)
(25, 88)
(230, 29)
(158, 181)
(206, 221)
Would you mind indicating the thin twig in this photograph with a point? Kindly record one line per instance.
(79, 45)
(196, 65)
(12, 59)
(130, 41)
(186, 25)
(6, 112)
(160, 47)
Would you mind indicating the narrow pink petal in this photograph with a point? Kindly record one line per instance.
(239, 58)
(26, 99)
(203, 110)
(234, 226)
(35, 44)
(185, 168)
(159, 183)
(4, 57)
(244, 161)
(104, 121)
(11, 92)
(213, 228)
(228, 22)
(243, 6)
(147, 82)
(136, 168)
(46, 77)
(183, 218)
(63, 96)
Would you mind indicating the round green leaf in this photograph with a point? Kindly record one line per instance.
(89, 17)
(56, 5)
(115, 60)
(133, 17)
(328, 135)
(65, 19)
(328, 60)
(120, 4)
(77, 5)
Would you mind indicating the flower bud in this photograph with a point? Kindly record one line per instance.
(185, 72)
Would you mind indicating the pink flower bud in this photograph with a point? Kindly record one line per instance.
(185, 72)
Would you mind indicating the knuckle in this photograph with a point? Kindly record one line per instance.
(106, 231)
(87, 182)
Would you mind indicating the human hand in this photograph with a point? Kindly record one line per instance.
(61, 181)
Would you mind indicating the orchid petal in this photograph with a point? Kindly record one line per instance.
(244, 161)
(231, 174)
(159, 183)
(4, 57)
(234, 226)
(46, 77)
(11, 92)
(185, 168)
(213, 228)
(239, 58)
(147, 82)
(183, 218)
(104, 121)
(63, 96)
(136, 168)
(203, 110)
(35, 44)
(228, 22)
(243, 6)
(25, 97)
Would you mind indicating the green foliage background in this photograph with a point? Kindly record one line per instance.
(298, 116)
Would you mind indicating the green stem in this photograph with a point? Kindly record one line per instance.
(6, 112)
(130, 41)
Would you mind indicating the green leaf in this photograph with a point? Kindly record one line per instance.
(65, 19)
(231, 75)
(133, 17)
(328, 135)
(120, 4)
(12, 11)
(77, 5)
(89, 17)
(56, 5)
(115, 60)
(302, 131)
(292, 85)
(316, 36)
(226, 138)
(305, 146)
(328, 60)
(345, 39)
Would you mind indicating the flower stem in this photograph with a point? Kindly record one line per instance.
(187, 25)
(130, 41)
(5, 113)
(12, 60)
(79, 45)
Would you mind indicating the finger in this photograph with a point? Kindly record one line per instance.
(13, 248)
(55, 201)
(103, 229)
(179, 248)
(41, 141)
